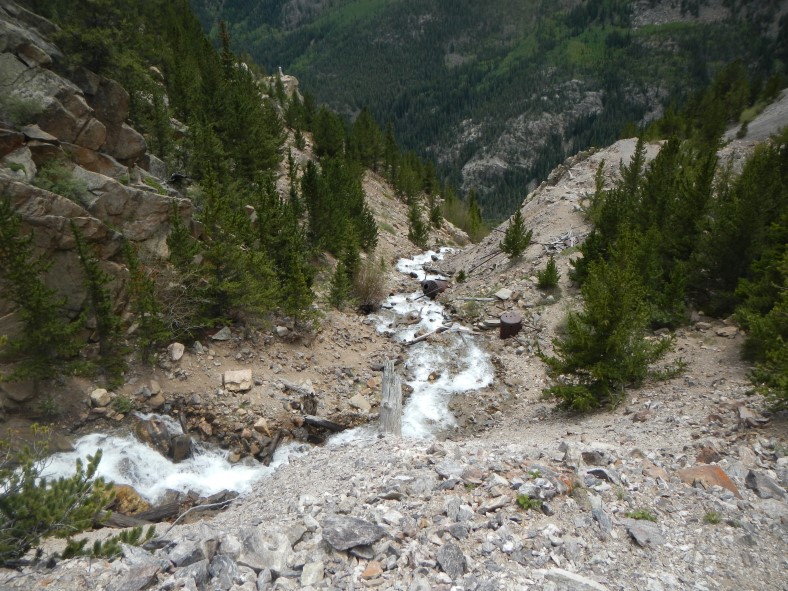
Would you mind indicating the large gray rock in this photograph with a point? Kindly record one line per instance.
(764, 487)
(223, 572)
(97, 162)
(452, 560)
(260, 550)
(343, 532)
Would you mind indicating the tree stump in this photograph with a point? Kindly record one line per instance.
(391, 401)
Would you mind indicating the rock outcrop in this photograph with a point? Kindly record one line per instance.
(79, 125)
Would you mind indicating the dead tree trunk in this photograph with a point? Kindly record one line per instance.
(391, 401)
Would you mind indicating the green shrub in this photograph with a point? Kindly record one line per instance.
(33, 508)
(56, 178)
(528, 503)
(18, 111)
(712, 518)
(418, 231)
(369, 283)
(641, 514)
(549, 276)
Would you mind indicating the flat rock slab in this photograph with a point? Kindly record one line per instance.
(764, 487)
(503, 294)
(237, 380)
(645, 533)
(568, 581)
(343, 532)
(452, 560)
(708, 475)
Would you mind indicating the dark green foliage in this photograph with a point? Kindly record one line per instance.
(111, 547)
(340, 286)
(48, 344)
(517, 238)
(549, 276)
(336, 207)
(33, 508)
(480, 63)
(100, 301)
(739, 225)
(152, 330)
(418, 231)
(604, 349)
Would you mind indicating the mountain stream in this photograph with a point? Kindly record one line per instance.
(437, 371)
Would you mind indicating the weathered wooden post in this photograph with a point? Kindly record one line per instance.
(391, 401)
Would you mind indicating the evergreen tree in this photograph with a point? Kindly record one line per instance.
(604, 348)
(100, 301)
(418, 231)
(152, 330)
(33, 507)
(517, 238)
(48, 344)
(340, 286)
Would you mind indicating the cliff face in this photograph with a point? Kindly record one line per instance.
(67, 155)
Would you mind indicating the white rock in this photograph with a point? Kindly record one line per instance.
(503, 294)
(176, 351)
(238, 380)
(100, 397)
(568, 581)
(361, 403)
(312, 573)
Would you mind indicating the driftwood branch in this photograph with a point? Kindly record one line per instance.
(424, 337)
(478, 299)
(391, 401)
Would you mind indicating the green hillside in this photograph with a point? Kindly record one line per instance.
(498, 92)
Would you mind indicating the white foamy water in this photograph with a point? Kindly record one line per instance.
(125, 460)
(457, 364)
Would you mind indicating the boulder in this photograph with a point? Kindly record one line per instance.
(260, 550)
(452, 560)
(176, 351)
(93, 134)
(239, 380)
(18, 391)
(563, 580)
(22, 158)
(108, 98)
(128, 501)
(97, 162)
(33, 55)
(361, 403)
(124, 143)
(343, 532)
(100, 397)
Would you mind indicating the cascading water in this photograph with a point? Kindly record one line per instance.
(438, 372)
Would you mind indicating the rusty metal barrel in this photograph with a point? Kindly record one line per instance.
(433, 287)
(511, 324)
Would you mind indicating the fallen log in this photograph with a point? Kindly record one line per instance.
(323, 423)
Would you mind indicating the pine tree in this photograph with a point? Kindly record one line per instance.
(418, 232)
(101, 304)
(48, 344)
(152, 329)
(604, 348)
(340, 286)
(517, 238)
(33, 507)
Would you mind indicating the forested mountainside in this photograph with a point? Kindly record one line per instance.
(499, 92)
